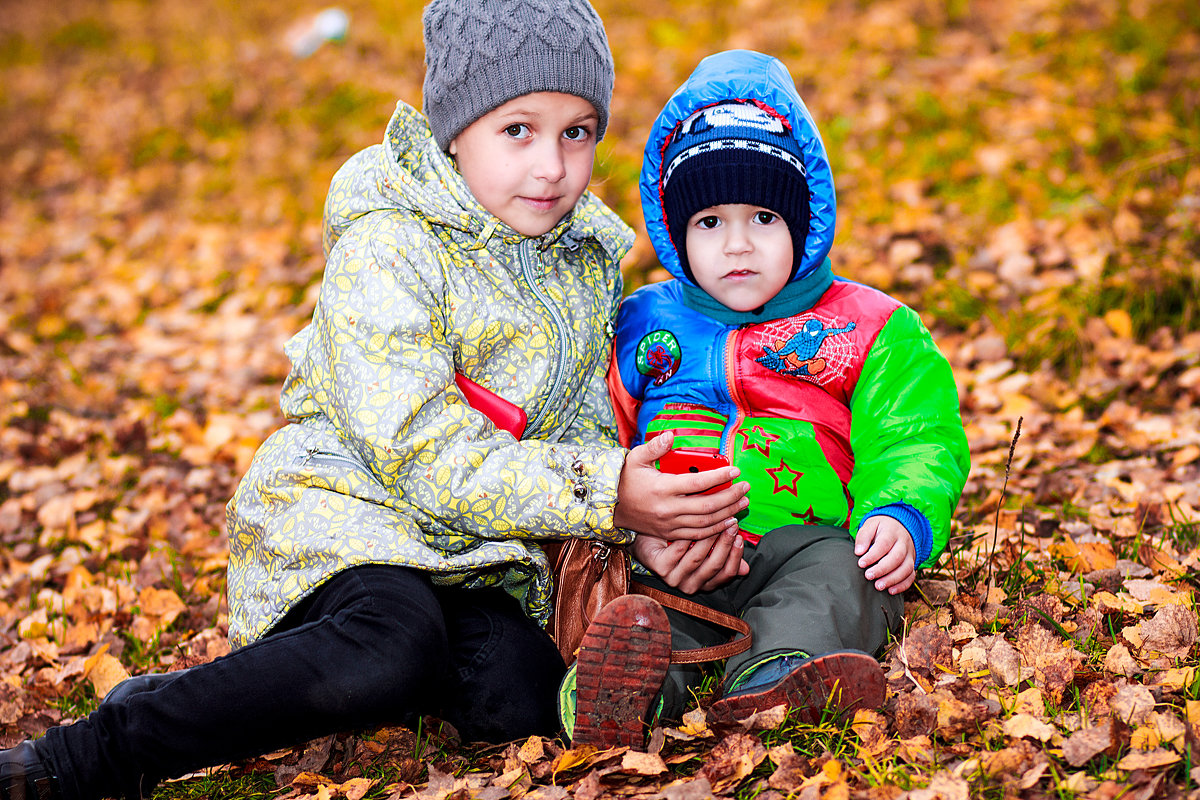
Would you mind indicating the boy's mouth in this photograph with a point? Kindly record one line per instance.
(736, 274)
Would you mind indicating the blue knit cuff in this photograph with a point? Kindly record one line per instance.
(913, 521)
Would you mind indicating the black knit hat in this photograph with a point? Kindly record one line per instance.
(733, 152)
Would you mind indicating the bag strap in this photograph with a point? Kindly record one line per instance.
(740, 642)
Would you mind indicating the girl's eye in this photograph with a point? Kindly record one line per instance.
(517, 131)
(576, 133)
(765, 217)
(707, 222)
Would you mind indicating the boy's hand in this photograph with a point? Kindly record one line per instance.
(693, 566)
(668, 506)
(887, 553)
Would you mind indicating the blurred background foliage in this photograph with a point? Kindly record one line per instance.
(1027, 173)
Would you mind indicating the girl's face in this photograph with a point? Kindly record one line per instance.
(740, 254)
(529, 161)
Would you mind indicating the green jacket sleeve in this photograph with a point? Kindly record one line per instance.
(910, 448)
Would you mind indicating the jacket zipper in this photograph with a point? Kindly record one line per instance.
(735, 392)
(560, 324)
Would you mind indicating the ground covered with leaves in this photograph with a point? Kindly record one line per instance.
(1027, 175)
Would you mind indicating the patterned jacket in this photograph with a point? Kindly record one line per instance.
(832, 399)
(383, 461)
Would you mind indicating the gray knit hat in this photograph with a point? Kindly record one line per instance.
(479, 54)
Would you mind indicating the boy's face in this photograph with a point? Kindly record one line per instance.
(529, 161)
(740, 254)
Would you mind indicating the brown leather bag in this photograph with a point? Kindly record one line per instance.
(589, 574)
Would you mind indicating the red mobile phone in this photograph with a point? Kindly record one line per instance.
(694, 459)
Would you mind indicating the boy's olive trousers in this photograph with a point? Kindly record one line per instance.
(805, 592)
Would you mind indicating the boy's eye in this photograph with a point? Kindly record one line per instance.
(708, 222)
(576, 133)
(765, 217)
(517, 131)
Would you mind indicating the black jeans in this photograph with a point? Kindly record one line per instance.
(375, 645)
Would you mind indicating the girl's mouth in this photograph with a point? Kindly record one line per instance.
(541, 203)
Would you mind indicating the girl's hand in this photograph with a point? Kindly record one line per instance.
(669, 506)
(693, 566)
(887, 553)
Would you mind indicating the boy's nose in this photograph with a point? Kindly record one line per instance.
(736, 240)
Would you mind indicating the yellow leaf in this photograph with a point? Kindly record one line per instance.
(104, 672)
(574, 757)
(33, 626)
(1119, 322)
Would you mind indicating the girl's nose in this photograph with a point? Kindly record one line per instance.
(549, 164)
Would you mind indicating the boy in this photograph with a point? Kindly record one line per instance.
(829, 396)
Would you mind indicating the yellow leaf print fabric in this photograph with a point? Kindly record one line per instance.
(382, 460)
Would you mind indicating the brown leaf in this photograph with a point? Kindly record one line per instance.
(1082, 746)
(732, 759)
(871, 729)
(1132, 704)
(1119, 661)
(766, 720)
(1028, 726)
(532, 750)
(955, 717)
(1171, 632)
(637, 763)
(915, 714)
(1151, 759)
(1052, 661)
(697, 788)
(943, 786)
(926, 648)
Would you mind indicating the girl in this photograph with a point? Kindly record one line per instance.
(382, 563)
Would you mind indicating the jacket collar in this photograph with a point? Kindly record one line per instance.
(794, 298)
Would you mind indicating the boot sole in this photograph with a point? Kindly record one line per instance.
(842, 682)
(622, 661)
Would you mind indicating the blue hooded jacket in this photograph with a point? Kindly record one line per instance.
(832, 398)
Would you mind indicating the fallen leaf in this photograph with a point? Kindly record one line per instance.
(1119, 661)
(1148, 760)
(1132, 704)
(104, 672)
(642, 763)
(733, 758)
(1028, 726)
(532, 750)
(1082, 746)
(1171, 631)
(943, 786)
(871, 729)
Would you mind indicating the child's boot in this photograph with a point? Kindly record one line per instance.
(622, 661)
(24, 775)
(841, 680)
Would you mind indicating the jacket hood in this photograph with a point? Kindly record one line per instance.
(742, 75)
(409, 172)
